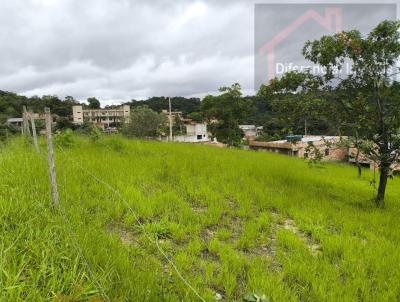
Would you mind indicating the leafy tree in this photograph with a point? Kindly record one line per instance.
(369, 95)
(297, 101)
(178, 126)
(365, 102)
(93, 103)
(63, 123)
(196, 116)
(145, 122)
(225, 112)
(185, 105)
(6, 131)
(11, 105)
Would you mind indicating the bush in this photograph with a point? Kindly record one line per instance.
(95, 134)
(6, 131)
(64, 138)
(63, 123)
(85, 128)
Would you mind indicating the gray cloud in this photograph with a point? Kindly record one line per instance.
(123, 49)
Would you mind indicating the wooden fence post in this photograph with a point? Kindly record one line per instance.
(35, 140)
(27, 130)
(50, 157)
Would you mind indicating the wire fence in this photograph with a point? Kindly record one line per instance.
(136, 217)
(75, 243)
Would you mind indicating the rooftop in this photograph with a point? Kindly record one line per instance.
(309, 138)
(15, 120)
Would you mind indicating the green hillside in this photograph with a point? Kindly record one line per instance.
(233, 222)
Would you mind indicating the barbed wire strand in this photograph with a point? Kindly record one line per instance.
(147, 235)
(74, 239)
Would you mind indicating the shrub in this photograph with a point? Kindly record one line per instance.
(95, 134)
(64, 138)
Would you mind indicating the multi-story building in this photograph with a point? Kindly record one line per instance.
(103, 118)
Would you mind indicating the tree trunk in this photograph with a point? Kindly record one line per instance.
(357, 159)
(380, 198)
(359, 170)
(358, 155)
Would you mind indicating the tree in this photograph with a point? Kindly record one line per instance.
(179, 126)
(64, 123)
(93, 103)
(185, 105)
(366, 101)
(145, 122)
(369, 95)
(225, 112)
(196, 116)
(297, 101)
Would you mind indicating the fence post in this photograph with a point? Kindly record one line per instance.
(27, 131)
(50, 158)
(35, 140)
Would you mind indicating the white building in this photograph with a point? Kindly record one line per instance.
(15, 121)
(195, 133)
(250, 131)
(103, 118)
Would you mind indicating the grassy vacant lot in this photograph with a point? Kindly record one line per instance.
(233, 221)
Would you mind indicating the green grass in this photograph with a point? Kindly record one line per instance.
(233, 221)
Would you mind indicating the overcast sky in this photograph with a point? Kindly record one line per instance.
(117, 50)
(122, 49)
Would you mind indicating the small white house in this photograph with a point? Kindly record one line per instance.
(250, 131)
(15, 121)
(195, 133)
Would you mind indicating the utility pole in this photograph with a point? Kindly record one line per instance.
(170, 119)
(305, 126)
(35, 141)
(50, 158)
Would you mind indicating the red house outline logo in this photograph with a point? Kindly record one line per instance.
(325, 21)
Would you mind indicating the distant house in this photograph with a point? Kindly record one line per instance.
(250, 131)
(15, 121)
(174, 114)
(102, 118)
(296, 146)
(195, 133)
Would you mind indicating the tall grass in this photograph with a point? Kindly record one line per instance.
(220, 214)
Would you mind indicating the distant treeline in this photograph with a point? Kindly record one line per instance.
(185, 105)
(11, 104)
(262, 112)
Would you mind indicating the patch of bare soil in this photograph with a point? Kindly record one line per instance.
(272, 248)
(235, 227)
(314, 247)
(209, 256)
(199, 209)
(208, 234)
(126, 235)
